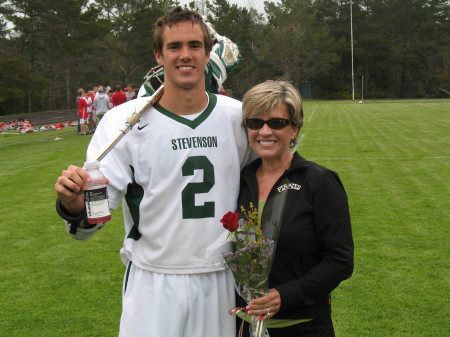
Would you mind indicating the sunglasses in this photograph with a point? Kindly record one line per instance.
(273, 123)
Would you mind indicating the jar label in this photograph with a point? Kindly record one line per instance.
(97, 205)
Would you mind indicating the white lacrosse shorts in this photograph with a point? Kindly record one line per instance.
(167, 305)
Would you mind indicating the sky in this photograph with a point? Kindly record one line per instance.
(258, 4)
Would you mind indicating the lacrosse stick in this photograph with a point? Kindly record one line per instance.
(135, 117)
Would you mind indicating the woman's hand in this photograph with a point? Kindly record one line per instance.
(266, 306)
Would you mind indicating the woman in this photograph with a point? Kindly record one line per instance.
(315, 247)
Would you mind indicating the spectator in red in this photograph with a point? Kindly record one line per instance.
(118, 97)
(82, 110)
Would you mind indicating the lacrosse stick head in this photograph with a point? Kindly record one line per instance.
(152, 81)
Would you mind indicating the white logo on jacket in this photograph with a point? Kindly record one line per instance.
(290, 186)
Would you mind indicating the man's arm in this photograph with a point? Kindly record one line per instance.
(70, 204)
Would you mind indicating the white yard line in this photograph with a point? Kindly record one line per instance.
(383, 158)
(303, 134)
(32, 140)
(312, 114)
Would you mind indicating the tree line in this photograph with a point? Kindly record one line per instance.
(401, 48)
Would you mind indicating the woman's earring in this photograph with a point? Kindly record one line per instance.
(293, 142)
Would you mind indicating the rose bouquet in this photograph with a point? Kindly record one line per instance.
(250, 260)
(254, 241)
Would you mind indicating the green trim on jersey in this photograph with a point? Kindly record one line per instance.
(133, 197)
(196, 122)
(127, 275)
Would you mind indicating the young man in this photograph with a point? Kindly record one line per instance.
(101, 103)
(177, 173)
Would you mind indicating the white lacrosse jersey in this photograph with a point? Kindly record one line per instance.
(177, 177)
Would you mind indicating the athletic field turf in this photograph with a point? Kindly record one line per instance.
(392, 156)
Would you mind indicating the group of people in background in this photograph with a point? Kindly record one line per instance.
(93, 104)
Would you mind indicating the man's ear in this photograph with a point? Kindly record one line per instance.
(159, 58)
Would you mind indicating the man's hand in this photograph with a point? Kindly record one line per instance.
(69, 189)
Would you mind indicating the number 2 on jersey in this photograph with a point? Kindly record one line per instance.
(190, 210)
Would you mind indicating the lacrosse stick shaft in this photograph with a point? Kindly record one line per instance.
(135, 118)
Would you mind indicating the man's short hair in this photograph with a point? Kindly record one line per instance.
(175, 16)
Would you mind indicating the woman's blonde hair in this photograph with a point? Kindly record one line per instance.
(265, 96)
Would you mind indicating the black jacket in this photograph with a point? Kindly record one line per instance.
(315, 247)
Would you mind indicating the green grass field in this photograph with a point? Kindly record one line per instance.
(392, 156)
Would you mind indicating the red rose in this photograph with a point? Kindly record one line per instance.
(230, 221)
